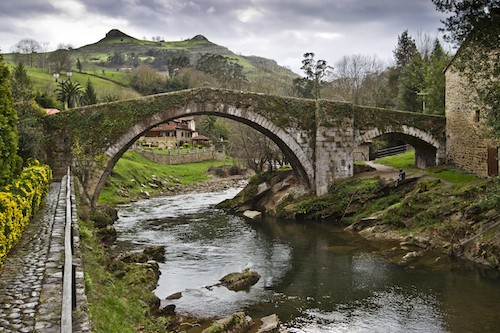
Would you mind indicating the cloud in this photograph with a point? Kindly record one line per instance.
(278, 29)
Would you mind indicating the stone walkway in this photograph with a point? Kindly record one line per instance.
(23, 272)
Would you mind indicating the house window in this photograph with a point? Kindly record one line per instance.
(477, 116)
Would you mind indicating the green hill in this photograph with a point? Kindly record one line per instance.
(194, 49)
(108, 63)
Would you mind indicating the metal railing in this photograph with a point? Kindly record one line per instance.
(67, 295)
(392, 151)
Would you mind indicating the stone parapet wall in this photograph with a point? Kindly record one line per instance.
(176, 157)
(466, 144)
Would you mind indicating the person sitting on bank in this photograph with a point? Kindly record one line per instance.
(401, 177)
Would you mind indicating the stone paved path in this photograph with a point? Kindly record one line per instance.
(23, 272)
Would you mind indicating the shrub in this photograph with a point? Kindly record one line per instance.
(19, 202)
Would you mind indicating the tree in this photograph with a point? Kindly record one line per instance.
(410, 84)
(353, 78)
(89, 96)
(79, 65)
(60, 60)
(315, 71)
(146, 80)
(215, 128)
(405, 50)
(175, 63)
(22, 87)
(228, 73)
(116, 58)
(30, 116)
(69, 93)
(27, 48)
(434, 80)
(474, 25)
(303, 87)
(255, 149)
(10, 163)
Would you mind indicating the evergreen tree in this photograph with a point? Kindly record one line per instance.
(89, 96)
(405, 50)
(30, 122)
(410, 84)
(434, 80)
(79, 65)
(10, 163)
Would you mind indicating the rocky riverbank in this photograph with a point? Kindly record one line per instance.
(422, 213)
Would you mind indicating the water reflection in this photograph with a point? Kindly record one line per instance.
(324, 279)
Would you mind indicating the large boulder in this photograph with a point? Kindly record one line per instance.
(240, 280)
(238, 322)
(270, 324)
(156, 253)
(252, 214)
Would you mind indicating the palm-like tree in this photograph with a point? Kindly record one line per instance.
(69, 93)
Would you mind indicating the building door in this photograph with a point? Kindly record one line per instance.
(492, 161)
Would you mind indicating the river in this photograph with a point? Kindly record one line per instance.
(323, 279)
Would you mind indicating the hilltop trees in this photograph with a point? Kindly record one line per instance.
(228, 73)
(10, 163)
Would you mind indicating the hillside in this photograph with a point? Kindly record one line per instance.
(108, 62)
(194, 49)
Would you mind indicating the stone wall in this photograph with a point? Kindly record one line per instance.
(466, 144)
(178, 157)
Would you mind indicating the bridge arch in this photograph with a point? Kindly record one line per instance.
(429, 150)
(286, 140)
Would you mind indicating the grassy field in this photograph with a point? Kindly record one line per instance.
(400, 161)
(132, 170)
(44, 81)
(406, 161)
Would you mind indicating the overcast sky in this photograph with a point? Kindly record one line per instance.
(278, 29)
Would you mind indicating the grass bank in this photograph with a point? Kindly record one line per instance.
(135, 177)
(118, 304)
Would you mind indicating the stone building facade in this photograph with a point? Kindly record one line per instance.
(467, 143)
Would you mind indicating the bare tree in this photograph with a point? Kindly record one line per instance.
(27, 49)
(258, 152)
(425, 44)
(59, 60)
(352, 75)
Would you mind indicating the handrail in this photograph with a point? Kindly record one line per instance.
(393, 150)
(67, 302)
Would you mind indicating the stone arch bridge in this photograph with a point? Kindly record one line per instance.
(317, 137)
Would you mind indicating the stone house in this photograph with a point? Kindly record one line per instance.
(169, 135)
(468, 145)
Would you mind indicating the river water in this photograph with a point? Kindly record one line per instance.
(321, 278)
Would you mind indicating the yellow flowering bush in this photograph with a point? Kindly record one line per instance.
(19, 202)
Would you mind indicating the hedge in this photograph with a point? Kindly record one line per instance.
(19, 202)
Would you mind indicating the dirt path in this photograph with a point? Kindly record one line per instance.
(383, 171)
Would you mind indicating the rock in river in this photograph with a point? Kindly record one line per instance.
(240, 280)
